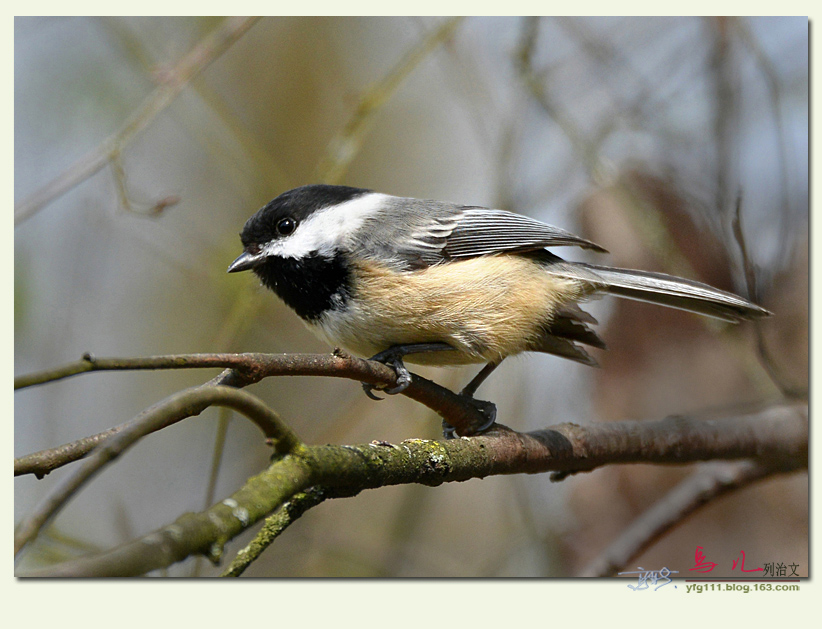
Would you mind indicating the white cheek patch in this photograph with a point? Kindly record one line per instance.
(327, 229)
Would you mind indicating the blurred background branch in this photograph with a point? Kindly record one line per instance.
(172, 83)
(345, 146)
(702, 487)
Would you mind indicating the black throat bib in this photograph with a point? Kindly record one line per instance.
(310, 285)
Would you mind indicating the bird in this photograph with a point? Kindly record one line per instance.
(431, 282)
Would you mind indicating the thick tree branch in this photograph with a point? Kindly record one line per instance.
(777, 436)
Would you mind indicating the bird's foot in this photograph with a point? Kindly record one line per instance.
(487, 410)
(392, 357)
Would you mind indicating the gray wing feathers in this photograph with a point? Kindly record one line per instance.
(415, 234)
(665, 290)
(481, 231)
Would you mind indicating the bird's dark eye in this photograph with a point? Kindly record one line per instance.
(286, 225)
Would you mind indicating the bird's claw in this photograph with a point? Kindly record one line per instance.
(403, 377)
(369, 391)
(448, 431)
(390, 358)
(488, 410)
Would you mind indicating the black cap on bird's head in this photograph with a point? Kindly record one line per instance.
(281, 217)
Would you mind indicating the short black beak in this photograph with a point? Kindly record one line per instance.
(244, 262)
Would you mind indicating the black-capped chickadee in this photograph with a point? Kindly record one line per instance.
(442, 283)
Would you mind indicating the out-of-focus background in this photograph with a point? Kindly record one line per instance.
(644, 135)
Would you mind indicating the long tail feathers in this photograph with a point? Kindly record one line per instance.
(665, 290)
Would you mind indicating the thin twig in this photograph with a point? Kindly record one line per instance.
(724, 73)
(229, 31)
(536, 87)
(90, 363)
(45, 461)
(214, 470)
(186, 403)
(774, 85)
(153, 210)
(653, 229)
(346, 145)
(253, 365)
(463, 413)
(777, 435)
(701, 488)
(766, 359)
(248, 157)
(274, 526)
